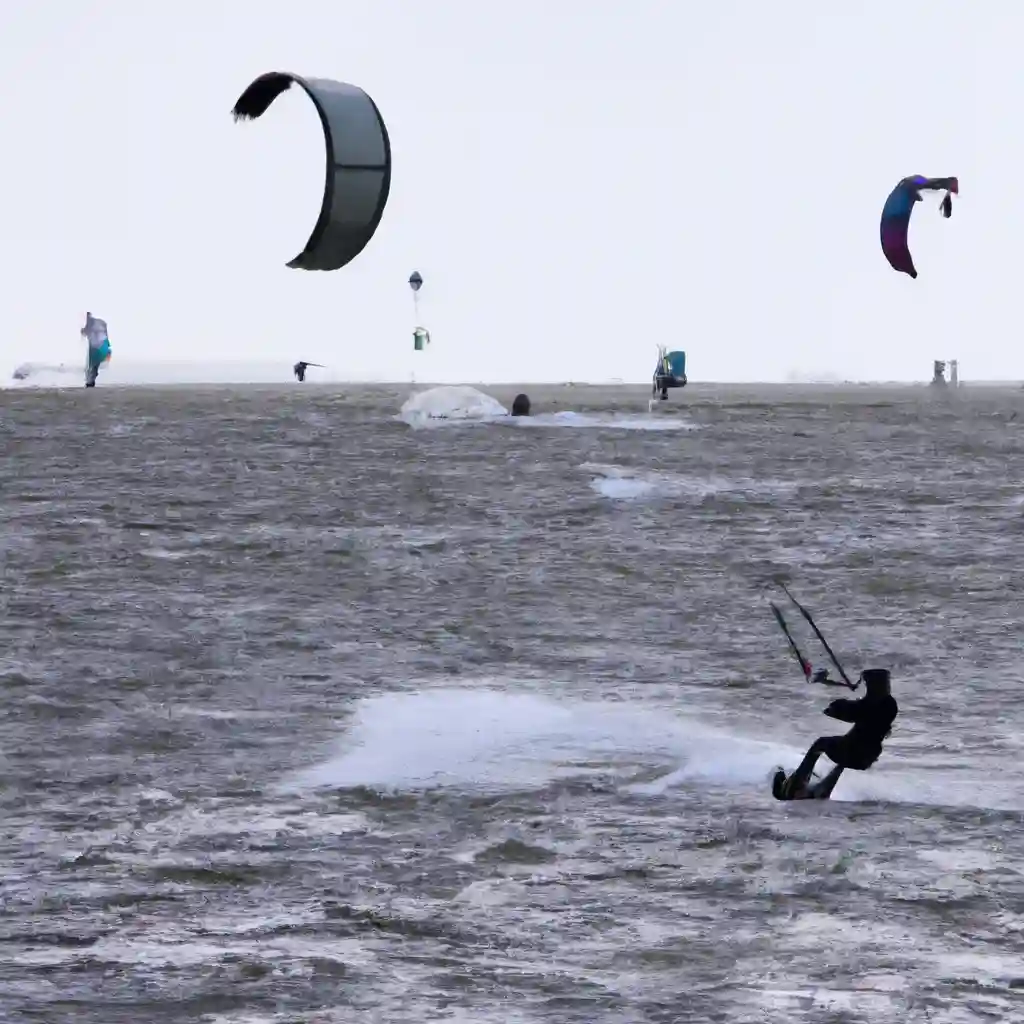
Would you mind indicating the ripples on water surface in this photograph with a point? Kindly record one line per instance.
(311, 716)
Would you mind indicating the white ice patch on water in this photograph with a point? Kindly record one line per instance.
(163, 554)
(450, 403)
(621, 482)
(603, 421)
(622, 487)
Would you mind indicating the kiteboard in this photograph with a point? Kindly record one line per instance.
(817, 789)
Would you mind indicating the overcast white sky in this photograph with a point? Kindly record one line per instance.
(575, 179)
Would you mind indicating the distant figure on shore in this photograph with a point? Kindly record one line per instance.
(521, 405)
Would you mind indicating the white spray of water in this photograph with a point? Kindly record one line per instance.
(501, 740)
(491, 738)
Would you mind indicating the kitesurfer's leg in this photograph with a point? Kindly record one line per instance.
(803, 773)
(833, 747)
(839, 751)
(824, 788)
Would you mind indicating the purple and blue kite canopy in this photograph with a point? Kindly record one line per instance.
(896, 216)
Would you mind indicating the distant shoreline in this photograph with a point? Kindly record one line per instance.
(643, 389)
(156, 374)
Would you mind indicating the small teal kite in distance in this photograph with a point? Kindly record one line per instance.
(896, 216)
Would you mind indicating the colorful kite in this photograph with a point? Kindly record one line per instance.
(896, 216)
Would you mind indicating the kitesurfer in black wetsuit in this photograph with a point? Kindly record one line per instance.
(872, 717)
(299, 369)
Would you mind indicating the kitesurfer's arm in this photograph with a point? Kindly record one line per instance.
(844, 710)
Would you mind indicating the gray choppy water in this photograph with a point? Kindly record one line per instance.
(308, 714)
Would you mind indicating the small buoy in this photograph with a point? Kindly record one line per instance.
(521, 405)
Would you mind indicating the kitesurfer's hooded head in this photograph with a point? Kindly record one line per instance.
(521, 405)
(876, 682)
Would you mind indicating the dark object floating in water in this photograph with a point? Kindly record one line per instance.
(521, 405)
(358, 152)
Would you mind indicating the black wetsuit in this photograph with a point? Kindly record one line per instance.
(872, 717)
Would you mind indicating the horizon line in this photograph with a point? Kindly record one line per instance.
(508, 383)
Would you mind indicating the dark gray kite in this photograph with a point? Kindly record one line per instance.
(358, 164)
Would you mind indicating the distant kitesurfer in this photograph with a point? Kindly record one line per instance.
(299, 369)
(95, 333)
(872, 717)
